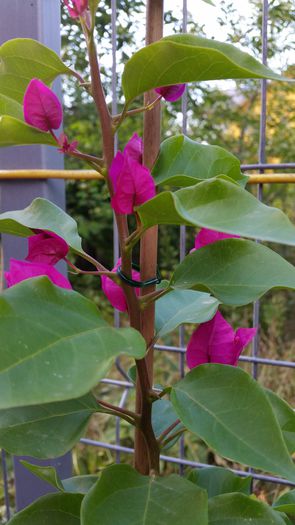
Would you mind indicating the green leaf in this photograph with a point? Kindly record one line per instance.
(183, 306)
(287, 520)
(124, 496)
(132, 373)
(238, 509)
(21, 60)
(286, 418)
(8, 106)
(217, 480)
(230, 411)
(44, 215)
(183, 162)
(79, 484)
(46, 431)
(220, 205)
(57, 347)
(76, 485)
(184, 58)
(233, 270)
(286, 503)
(14, 132)
(53, 509)
(164, 415)
(47, 473)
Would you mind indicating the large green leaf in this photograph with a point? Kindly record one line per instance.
(123, 496)
(8, 106)
(44, 215)
(286, 503)
(45, 431)
(187, 58)
(238, 509)
(53, 509)
(286, 418)
(183, 306)
(163, 416)
(230, 411)
(54, 344)
(21, 60)
(14, 132)
(220, 205)
(183, 162)
(217, 480)
(234, 271)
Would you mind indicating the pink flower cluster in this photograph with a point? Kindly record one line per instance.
(76, 8)
(43, 110)
(216, 341)
(44, 251)
(132, 182)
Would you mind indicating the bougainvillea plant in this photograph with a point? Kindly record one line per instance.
(56, 345)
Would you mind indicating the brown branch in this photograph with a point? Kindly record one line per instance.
(151, 297)
(101, 271)
(150, 459)
(148, 254)
(118, 119)
(119, 410)
(173, 436)
(100, 102)
(168, 430)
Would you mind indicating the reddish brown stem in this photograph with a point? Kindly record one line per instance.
(148, 250)
(120, 410)
(146, 446)
(100, 268)
(100, 102)
(168, 430)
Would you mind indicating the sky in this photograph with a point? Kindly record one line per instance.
(208, 15)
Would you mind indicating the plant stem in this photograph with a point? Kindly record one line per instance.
(100, 267)
(148, 254)
(118, 119)
(168, 430)
(173, 436)
(119, 410)
(148, 449)
(100, 102)
(151, 297)
(95, 161)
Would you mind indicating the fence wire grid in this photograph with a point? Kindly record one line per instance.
(124, 383)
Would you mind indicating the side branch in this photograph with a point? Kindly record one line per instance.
(100, 101)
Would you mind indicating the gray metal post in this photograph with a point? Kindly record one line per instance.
(38, 19)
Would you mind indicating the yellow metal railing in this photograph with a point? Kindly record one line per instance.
(254, 178)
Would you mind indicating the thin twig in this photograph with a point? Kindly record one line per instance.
(168, 430)
(118, 119)
(118, 409)
(173, 436)
(146, 300)
(103, 270)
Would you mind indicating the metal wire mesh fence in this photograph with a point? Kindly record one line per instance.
(124, 383)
